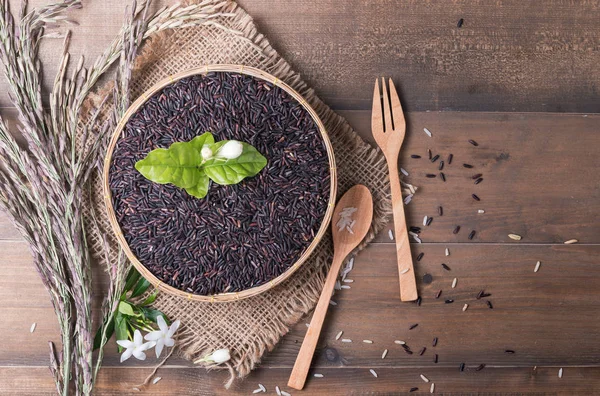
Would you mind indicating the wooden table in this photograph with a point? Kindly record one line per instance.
(523, 80)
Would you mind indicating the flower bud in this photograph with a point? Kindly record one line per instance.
(231, 150)
(206, 153)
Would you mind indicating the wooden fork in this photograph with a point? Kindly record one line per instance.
(390, 138)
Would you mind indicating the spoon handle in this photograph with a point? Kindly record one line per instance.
(406, 272)
(307, 350)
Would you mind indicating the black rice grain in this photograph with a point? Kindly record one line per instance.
(472, 235)
(415, 156)
(475, 197)
(473, 142)
(462, 367)
(431, 175)
(450, 157)
(429, 153)
(489, 304)
(413, 389)
(468, 166)
(440, 211)
(449, 301)
(418, 301)
(444, 266)
(509, 351)
(413, 326)
(460, 22)
(438, 294)
(435, 358)
(480, 367)
(441, 165)
(477, 176)
(456, 230)
(443, 176)
(479, 180)
(422, 351)
(429, 220)
(420, 256)
(435, 158)
(435, 341)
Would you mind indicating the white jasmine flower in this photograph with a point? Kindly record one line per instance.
(219, 356)
(206, 153)
(135, 347)
(231, 150)
(164, 336)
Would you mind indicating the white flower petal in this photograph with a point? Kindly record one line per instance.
(169, 342)
(137, 338)
(140, 355)
(125, 343)
(126, 354)
(154, 335)
(159, 347)
(173, 328)
(162, 325)
(145, 346)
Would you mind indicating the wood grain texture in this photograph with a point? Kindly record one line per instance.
(576, 381)
(509, 55)
(539, 315)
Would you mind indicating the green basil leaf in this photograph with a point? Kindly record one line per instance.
(204, 140)
(126, 309)
(132, 278)
(121, 332)
(232, 171)
(110, 329)
(201, 188)
(140, 288)
(153, 314)
(150, 299)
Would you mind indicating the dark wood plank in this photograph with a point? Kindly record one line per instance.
(508, 56)
(539, 170)
(579, 381)
(536, 314)
(540, 176)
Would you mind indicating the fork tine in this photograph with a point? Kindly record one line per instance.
(399, 121)
(376, 115)
(387, 113)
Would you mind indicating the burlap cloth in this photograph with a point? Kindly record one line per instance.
(252, 326)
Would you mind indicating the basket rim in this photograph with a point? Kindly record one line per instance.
(116, 228)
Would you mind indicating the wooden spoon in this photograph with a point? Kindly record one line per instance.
(344, 242)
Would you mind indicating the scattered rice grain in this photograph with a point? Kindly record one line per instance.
(571, 241)
(427, 132)
(435, 341)
(404, 271)
(420, 256)
(32, 328)
(404, 172)
(432, 388)
(258, 390)
(454, 282)
(560, 373)
(447, 252)
(373, 372)
(465, 307)
(278, 391)
(156, 380)
(338, 335)
(384, 354)
(318, 375)
(413, 326)
(537, 266)
(367, 341)
(399, 342)
(284, 393)
(424, 378)
(331, 302)
(425, 220)
(346, 340)
(515, 237)
(391, 235)
(481, 211)
(345, 287)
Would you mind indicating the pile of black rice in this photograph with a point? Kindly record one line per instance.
(238, 236)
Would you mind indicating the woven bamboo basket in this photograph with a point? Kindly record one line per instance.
(221, 297)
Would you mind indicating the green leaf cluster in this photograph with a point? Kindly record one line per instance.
(182, 165)
(134, 311)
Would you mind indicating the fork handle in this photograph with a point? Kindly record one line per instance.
(408, 283)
